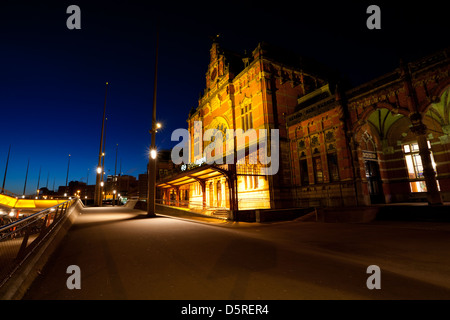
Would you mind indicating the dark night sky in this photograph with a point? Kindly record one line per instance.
(52, 80)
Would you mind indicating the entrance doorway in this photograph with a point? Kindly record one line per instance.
(374, 181)
(211, 194)
(219, 194)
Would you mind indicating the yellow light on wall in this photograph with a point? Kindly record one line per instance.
(25, 204)
(7, 201)
(45, 203)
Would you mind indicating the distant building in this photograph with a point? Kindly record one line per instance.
(164, 166)
(125, 185)
(45, 192)
(143, 186)
(72, 189)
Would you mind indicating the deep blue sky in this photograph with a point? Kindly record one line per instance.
(52, 80)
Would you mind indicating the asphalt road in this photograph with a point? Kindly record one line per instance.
(123, 255)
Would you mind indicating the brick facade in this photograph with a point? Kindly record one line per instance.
(254, 91)
(337, 147)
(371, 125)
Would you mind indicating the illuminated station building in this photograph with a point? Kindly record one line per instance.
(254, 91)
(382, 142)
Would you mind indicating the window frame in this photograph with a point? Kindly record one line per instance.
(414, 166)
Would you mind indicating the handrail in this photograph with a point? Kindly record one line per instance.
(8, 193)
(34, 215)
(19, 239)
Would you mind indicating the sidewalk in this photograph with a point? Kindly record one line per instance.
(122, 255)
(191, 216)
(420, 212)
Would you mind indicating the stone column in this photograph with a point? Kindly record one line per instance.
(203, 185)
(177, 196)
(420, 131)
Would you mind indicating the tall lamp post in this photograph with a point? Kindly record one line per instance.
(98, 190)
(86, 189)
(39, 179)
(151, 168)
(67, 176)
(115, 177)
(26, 177)
(102, 181)
(6, 170)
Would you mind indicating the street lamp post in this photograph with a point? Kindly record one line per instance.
(6, 170)
(103, 152)
(115, 177)
(151, 168)
(67, 176)
(86, 189)
(98, 191)
(26, 177)
(39, 179)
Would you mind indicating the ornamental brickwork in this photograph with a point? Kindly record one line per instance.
(392, 140)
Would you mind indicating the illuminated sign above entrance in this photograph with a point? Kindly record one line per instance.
(369, 155)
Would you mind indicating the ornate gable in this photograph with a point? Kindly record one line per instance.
(216, 68)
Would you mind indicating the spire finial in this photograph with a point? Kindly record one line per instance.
(214, 38)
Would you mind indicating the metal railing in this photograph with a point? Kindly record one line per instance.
(217, 208)
(19, 238)
(8, 193)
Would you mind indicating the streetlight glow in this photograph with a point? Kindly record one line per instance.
(158, 125)
(153, 153)
(99, 170)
